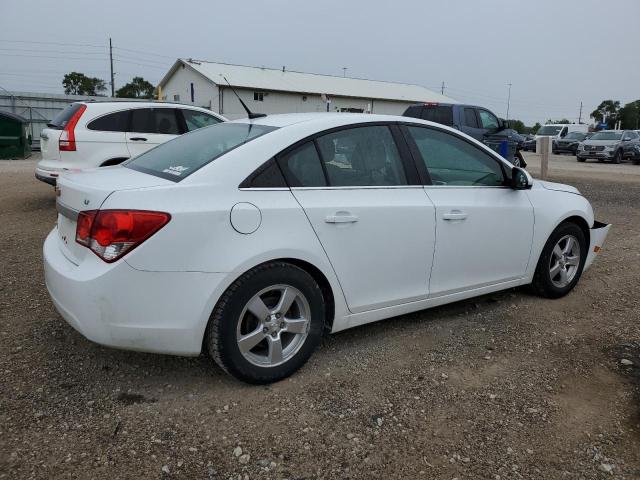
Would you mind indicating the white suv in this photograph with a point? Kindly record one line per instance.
(99, 134)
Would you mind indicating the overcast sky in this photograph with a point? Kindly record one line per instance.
(555, 53)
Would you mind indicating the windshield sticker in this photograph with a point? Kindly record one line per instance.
(177, 170)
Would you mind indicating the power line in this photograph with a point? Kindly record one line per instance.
(52, 43)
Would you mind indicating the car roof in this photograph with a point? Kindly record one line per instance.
(287, 119)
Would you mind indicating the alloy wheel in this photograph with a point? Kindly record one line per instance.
(564, 262)
(273, 325)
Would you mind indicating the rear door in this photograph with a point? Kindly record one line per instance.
(374, 221)
(150, 127)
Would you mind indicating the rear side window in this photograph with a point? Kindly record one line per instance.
(438, 113)
(302, 167)
(180, 157)
(470, 118)
(155, 120)
(113, 122)
(362, 156)
(195, 119)
(60, 121)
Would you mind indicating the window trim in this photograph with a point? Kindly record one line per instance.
(421, 163)
(127, 126)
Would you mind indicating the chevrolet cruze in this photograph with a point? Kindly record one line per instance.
(251, 238)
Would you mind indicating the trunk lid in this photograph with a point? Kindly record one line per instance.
(87, 190)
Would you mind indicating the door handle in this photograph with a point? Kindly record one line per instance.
(454, 215)
(138, 139)
(341, 217)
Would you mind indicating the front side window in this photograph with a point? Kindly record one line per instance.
(488, 120)
(361, 156)
(180, 157)
(155, 120)
(113, 122)
(195, 119)
(453, 161)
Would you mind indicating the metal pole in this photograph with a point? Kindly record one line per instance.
(344, 71)
(580, 115)
(113, 94)
(442, 89)
(508, 100)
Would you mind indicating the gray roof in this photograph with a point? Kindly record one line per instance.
(261, 78)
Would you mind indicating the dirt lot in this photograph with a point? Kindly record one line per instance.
(506, 386)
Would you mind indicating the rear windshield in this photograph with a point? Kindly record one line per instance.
(60, 121)
(549, 130)
(442, 115)
(180, 157)
(607, 136)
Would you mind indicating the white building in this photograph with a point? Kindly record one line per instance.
(267, 90)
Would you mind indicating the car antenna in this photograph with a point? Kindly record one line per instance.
(249, 112)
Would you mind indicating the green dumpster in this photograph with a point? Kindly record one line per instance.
(15, 140)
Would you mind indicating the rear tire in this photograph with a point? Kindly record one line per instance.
(267, 323)
(561, 262)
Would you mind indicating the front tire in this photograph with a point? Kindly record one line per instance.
(617, 158)
(561, 262)
(267, 323)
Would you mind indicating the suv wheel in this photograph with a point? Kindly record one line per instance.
(267, 324)
(617, 158)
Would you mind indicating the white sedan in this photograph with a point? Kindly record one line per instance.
(251, 238)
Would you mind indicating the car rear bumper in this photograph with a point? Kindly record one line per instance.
(118, 306)
(598, 235)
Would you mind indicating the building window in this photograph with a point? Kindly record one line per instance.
(258, 96)
(176, 98)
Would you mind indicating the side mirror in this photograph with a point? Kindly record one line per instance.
(520, 179)
(501, 124)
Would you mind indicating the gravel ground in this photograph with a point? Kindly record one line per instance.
(505, 386)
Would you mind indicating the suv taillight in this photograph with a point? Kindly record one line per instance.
(111, 234)
(67, 141)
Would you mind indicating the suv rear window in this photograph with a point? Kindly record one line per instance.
(60, 121)
(180, 157)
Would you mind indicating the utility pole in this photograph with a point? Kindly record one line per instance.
(442, 89)
(113, 91)
(508, 100)
(580, 115)
(344, 71)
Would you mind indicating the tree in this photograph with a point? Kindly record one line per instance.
(535, 127)
(607, 111)
(629, 116)
(136, 88)
(518, 126)
(564, 121)
(76, 83)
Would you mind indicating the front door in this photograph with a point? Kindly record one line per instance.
(484, 230)
(377, 230)
(150, 127)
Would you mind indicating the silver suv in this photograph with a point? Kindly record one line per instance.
(611, 145)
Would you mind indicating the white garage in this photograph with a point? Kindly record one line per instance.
(268, 90)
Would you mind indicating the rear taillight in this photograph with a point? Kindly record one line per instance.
(67, 141)
(111, 234)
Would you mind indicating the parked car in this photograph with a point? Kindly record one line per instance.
(635, 157)
(611, 145)
(98, 134)
(569, 144)
(530, 144)
(251, 238)
(560, 130)
(477, 122)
